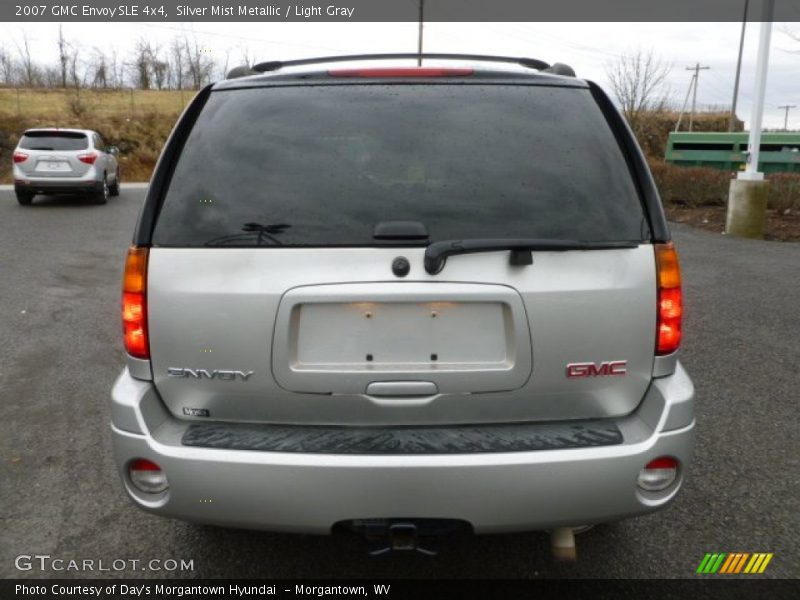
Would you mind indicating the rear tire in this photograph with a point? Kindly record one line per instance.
(113, 189)
(101, 195)
(25, 198)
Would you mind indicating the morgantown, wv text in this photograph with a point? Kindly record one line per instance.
(166, 591)
(287, 11)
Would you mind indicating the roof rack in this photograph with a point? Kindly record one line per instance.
(275, 65)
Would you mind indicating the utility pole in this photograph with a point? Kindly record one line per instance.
(697, 68)
(787, 107)
(738, 69)
(419, 36)
(685, 102)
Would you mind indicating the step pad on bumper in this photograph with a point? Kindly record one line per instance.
(453, 439)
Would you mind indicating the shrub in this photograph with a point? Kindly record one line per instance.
(691, 186)
(784, 192)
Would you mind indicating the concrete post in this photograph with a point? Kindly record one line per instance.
(747, 208)
(747, 198)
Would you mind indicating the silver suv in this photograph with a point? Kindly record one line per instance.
(65, 161)
(403, 301)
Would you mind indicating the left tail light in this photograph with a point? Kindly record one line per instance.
(20, 157)
(134, 303)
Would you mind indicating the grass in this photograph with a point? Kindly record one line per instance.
(61, 103)
(137, 122)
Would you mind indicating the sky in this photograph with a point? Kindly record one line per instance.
(588, 47)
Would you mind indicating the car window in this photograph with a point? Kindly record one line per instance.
(54, 140)
(98, 142)
(322, 165)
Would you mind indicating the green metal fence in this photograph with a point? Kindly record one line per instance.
(780, 152)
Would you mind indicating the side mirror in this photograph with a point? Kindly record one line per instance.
(113, 150)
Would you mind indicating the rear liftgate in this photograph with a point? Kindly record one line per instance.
(401, 340)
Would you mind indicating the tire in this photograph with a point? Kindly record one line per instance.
(113, 189)
(101, 195)
(25, 198)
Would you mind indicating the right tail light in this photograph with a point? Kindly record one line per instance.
(670, 301)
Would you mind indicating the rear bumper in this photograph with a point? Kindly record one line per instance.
(57, 185)
(495, 492)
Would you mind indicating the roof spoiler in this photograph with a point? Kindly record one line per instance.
(531, 63)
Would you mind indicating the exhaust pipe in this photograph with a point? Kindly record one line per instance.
(562, 544)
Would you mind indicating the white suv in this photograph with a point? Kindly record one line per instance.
(65, 161)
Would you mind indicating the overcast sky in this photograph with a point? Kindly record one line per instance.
(588, 47)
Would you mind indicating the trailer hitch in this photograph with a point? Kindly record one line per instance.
(425, 536)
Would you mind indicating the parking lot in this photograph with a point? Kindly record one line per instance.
(60, 268)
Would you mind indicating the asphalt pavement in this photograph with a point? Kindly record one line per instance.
(60, 269)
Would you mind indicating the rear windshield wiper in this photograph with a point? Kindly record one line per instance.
(436, 254)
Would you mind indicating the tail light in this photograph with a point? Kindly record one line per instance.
(88, 158)
(402, 72)
(670, 304)
(20, 157)
(658, 474)
(134, 303)
(147, 476)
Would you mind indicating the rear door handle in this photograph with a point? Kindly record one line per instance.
(402, 388)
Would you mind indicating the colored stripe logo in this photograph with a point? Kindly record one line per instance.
(733, 563)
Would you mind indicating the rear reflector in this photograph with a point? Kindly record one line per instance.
(88, 158)
(670, 301)
(20, 157)
(658, 474)
(146, 476)
(402, 72)
(134, 303)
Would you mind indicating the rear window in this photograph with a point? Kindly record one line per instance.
(322, 165)
(54, 140)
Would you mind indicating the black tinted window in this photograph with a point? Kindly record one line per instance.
(54, 140)
(321, 165)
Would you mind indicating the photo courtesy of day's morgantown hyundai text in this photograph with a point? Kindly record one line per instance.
(403, 301)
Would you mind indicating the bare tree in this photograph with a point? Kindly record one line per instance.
(76, 79)
(224, 67)
(795, 35)
(248, 60)
(199, 64)
(7, 66)
(63, 56)
(29, 70)
(100, 69)
(158, 67)
(142, 63)
(117, 70)
(178, 69)
(638, 81)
